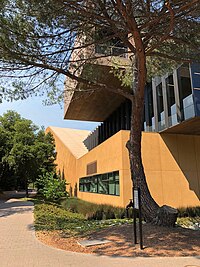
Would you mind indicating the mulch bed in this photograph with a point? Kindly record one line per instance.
(158, 241)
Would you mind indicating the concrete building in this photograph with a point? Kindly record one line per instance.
(96, 164)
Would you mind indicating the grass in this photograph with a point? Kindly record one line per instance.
(52, 216)
(189, 216)
(71, 218)
(92, 211)
(189, 212)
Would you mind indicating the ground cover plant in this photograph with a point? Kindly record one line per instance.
(51, 216)
(189, 217)
(75, 217)
(63, 224)
(189, 212)
(93, 211)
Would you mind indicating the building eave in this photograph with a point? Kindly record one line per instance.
(92, 105)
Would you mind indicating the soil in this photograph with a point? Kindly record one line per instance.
(158, 241)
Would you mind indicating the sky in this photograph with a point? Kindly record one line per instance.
(41, 115)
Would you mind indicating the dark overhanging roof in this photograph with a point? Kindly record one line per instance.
(94, 105)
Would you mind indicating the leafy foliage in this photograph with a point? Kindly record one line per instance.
(25, 151)
(51, 186)
(189, 222)
(155, 66)
(37, 39)
(51, 216)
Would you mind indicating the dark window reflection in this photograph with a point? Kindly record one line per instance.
(185, 93)
(107, 183)
(160, 105)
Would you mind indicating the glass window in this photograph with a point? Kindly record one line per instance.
(117, 193)
(171, 103)
(114, 46)
(185, 92)
(81, 187)
(106, 183)
(111, 184)
(149, 125)
(93, 187)
(161, 115)
(103, 184)
(87, 185)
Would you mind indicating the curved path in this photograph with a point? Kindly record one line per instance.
(20, 248)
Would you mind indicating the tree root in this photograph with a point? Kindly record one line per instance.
(166, 216)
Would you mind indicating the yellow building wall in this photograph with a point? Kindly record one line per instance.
(171, 164)
(108, 157)
(66, 162)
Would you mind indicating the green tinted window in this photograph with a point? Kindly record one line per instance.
(106, 183)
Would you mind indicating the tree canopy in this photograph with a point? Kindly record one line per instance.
(38, 37)
(26, 152)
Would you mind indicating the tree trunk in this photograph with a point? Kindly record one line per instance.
(166, 216)
(150, 209)
(149, 206)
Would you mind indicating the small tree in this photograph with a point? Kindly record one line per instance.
(51, 186)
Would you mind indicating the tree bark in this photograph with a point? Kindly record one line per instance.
(166, 216)
(150, 209)
(149, 206)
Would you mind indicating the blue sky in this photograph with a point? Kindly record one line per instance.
(33, 109)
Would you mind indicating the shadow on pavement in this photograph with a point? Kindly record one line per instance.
(9, 204)
(16, 194)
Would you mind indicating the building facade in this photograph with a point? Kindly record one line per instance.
(170, 140)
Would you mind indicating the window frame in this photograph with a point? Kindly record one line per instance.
(98, 177)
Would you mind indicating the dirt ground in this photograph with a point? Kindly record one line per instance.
(158, 241)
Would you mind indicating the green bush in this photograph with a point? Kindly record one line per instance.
(50, 186)
(49, 216)
(92, 211)
(52, 216)
(189, 212)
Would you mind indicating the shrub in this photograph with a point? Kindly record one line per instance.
(92, 211)
(49, 216)
(189, 212)
(50, 186)
(52, 216)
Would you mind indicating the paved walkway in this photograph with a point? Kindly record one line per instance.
(20, 248)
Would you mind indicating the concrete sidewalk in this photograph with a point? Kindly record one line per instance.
(20, 248)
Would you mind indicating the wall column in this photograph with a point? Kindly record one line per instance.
(165, 101)
(176, 94)
(155, 104)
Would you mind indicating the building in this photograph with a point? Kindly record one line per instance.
(96, 164)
